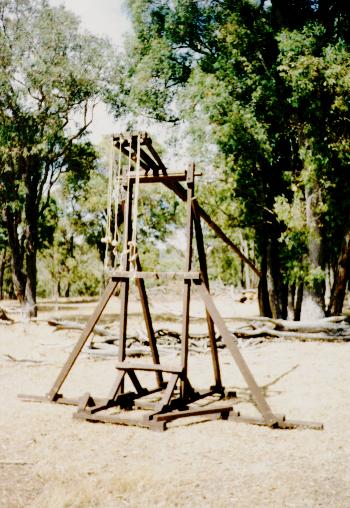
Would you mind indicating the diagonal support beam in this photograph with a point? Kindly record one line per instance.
(256, 392)
(110, 289)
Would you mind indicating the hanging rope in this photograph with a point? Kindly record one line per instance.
(133, 243)
(107, 239)
(116, 195)
(126, 249)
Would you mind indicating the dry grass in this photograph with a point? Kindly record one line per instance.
(49, 460)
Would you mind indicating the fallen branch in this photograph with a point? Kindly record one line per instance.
(4, 317)
(72, 325)
(22, 360)
(268, 332)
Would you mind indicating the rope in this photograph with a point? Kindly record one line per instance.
(108, 237)
(126, 249)
(133, 243)
(117, 188)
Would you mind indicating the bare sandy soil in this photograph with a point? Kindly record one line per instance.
(48, 459)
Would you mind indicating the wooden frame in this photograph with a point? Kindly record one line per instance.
(177, 397)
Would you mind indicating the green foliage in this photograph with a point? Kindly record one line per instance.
(267, 84)
(51, 77)
(69, 268)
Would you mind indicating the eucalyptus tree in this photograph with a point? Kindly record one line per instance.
(271, 81)
(52, 75)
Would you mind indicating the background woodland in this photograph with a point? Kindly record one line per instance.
(256, 92)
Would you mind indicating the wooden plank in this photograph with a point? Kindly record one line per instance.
(187, 286)
(256, 392)
(124, 274)
(110, 418)
(203, 411)
(148, 367)
(281, 423)
(174, 177)
(59, 399)
(110, 289)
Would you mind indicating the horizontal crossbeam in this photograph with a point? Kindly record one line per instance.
(148, 366)
(115, 275)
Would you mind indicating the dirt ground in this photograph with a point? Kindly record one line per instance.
(50, 460)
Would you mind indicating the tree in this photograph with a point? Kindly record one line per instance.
(314, 65)
(51, 78)
(233, 64)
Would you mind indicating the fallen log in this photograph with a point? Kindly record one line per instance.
(323, 330)
(268, 332)
(320, 326)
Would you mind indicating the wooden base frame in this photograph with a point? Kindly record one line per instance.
(176, 396)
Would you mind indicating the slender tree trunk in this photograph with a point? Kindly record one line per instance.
(291, 300)
(278, 291)
(295, 300)
(11, 220)
(263, 295)
(31, 244)
(3, 260)
(316, 250)
(341, 277)
(298, 302)
(31, 270)
(32, 204)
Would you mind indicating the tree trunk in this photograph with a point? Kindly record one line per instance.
(11, 220)
(277, 289)
(263, 295)
(31, 241)
(316, 251)
(291, 300)
(341, 277)
(2, 271)
(30, 290)
(298, 302)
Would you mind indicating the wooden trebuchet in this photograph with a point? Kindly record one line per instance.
(173, 395)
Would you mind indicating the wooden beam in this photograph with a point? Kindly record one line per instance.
(255, 390)
(147, 367)
(110, 289)
(120, 275)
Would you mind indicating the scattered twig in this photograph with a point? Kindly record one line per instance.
(22, 360)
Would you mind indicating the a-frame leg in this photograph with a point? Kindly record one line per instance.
(110, 289)
(204, 273)
(265, 410)
(140, 283)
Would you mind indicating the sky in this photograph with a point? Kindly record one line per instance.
(109, 18)
(102, 18)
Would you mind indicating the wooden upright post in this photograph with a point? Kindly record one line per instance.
(125, 264)
(204, 272)
(187, 283)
